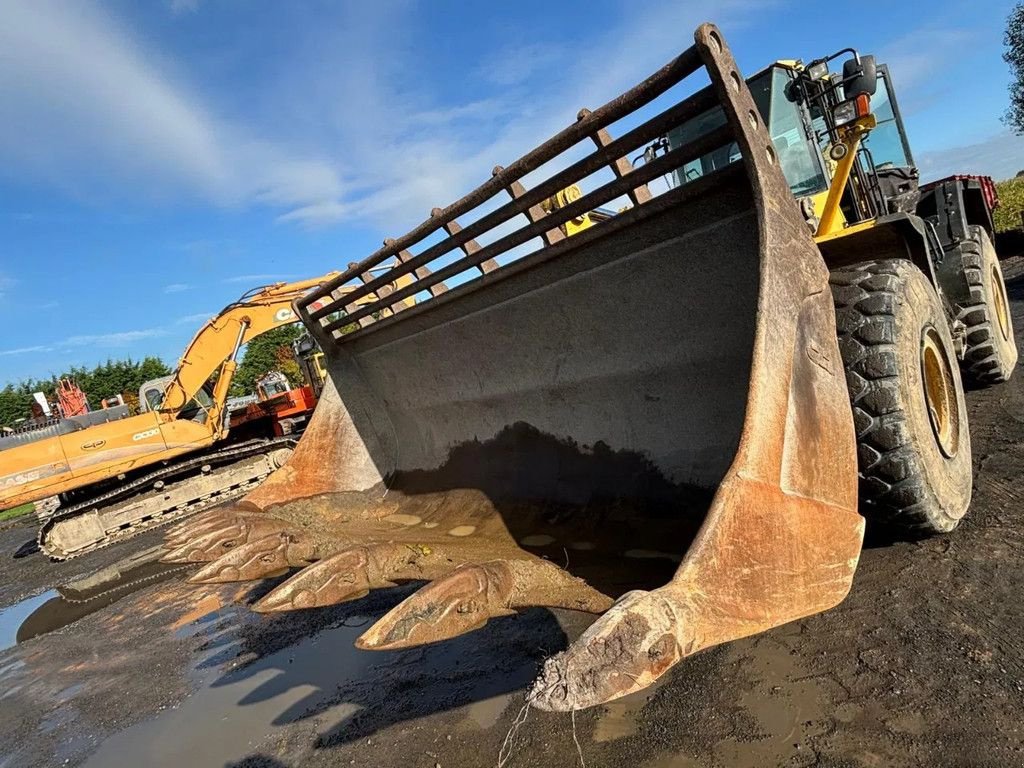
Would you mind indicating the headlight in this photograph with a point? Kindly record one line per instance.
(817, 71)
(848, 111)
(845, 112)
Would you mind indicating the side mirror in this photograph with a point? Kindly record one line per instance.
(860, 78)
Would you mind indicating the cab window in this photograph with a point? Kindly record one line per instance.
(798, 155)
(886, 142)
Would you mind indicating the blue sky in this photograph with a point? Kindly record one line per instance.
(157, 159)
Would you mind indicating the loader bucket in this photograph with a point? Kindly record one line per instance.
(647, 420)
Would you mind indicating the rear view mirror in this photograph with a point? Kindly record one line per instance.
(860, 77)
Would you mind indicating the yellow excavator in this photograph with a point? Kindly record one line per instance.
(680, 417)
(174, 458)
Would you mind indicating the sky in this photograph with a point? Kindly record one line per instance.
(159, 159)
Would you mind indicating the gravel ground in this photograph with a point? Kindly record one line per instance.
(922, 665)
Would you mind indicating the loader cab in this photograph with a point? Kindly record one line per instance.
(885, 179)
(790, 127)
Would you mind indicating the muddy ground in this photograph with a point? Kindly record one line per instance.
(922, 665)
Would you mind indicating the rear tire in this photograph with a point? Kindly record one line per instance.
(991, 352)
(913, 444)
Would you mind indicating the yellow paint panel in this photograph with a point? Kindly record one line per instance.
(850, 230)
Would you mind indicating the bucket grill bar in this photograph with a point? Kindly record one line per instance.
(714, 140)
(470, 246)
(404, 257)
(621, 166)
(683, 65)
(610, 154)
(655, 127)
(535, 212)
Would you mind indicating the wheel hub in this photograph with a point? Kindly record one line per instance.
(940, 393)
(1002, 310)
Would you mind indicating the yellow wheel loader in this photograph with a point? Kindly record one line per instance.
(121, 476)
(678, 417)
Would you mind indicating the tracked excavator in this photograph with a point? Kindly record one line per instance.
(178, 456)
(678, 418)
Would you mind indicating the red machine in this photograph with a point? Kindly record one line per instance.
(287, 409)
(71, 399)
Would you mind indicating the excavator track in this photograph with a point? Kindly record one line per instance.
(140, 496)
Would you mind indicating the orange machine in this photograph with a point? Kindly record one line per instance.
(286, 409)
(121, 476)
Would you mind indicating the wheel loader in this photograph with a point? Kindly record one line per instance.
(678, 418)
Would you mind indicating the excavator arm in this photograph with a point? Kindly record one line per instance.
(215, 347)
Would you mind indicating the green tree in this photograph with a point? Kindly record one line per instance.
(1014, 56)
(1011, 204)
(16, 401)
(114, 377)
(263, 354)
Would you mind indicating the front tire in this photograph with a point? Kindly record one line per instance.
(991, 352)
(913, 444)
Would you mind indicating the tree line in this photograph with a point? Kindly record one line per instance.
(272, 351)
(114, 377)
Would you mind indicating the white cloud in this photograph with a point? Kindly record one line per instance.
(1000, 156)
(118, 339)
(86, 105)
(99, 340)
(26, 350)
(918, 56)
(183, 6)
(194, 319)
(176, 287)
(415, 153)
(514, 64)
(6, 283)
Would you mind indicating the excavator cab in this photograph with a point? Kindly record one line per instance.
(151, 398)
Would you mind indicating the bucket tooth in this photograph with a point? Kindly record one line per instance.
(193, 522)
(189, 534)
(209, 546)
(269, 556)
(199, 526)
(624, 651)
(443, 609)
(469, 596)
(339, 578)
(222, 514)
(351, 574)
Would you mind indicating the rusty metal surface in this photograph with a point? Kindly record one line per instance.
(668, 379)
(782, 537)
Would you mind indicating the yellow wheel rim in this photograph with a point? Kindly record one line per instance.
(1002, 311)
(940, 393)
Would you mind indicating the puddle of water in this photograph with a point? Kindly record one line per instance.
(70, 602)
(12, 617)
(785, 720)
(487, 712)
(228, 718)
